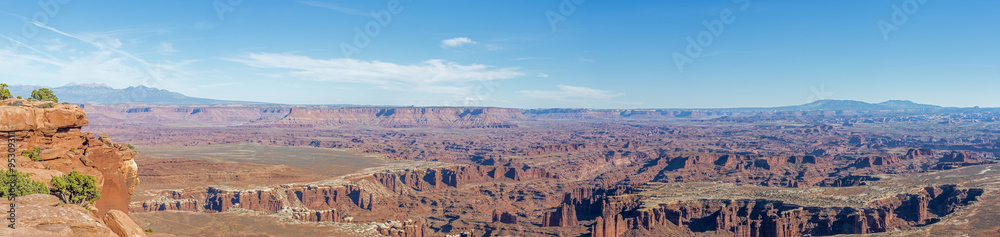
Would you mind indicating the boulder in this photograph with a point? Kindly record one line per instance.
(121, 224)
(42, 215)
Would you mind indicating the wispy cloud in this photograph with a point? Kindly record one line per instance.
(456, 42)
(104, 43)
(54, 45)
(165, 48)
(543, 75)
(493, 47)
(96, 66)
(22, 44)
(335, 7)
(527, 58)
(108, 62)
(566, 92)
(434, 75)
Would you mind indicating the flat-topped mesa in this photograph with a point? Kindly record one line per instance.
(37, 117)
(404, 117)
(54, 130)
(505, 217)
(166, 205)
(762, 217)
(375, 192)
(408, 228)
(311, 116)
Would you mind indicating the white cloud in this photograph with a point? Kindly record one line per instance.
(165, 48)
(432, 76)
(571, 93)
(102, 59)
(103, 42)
(334, 7)
(205, 25)
(456, 42)
(493, 47)
(53, 45)
(543, 75)
(102, 66)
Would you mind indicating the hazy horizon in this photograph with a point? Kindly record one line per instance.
(525, 54)
(381, 105)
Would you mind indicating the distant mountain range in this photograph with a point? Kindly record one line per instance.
(104, 94)
(856, 105)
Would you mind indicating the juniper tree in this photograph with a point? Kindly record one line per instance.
(18, 184)
(43, 94)
(4, 92)
(76, 188)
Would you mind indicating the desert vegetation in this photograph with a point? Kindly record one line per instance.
(44, 94)
(75, 188)
(16, 184)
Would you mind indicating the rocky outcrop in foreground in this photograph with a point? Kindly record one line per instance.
(54, 130)
(43, 215)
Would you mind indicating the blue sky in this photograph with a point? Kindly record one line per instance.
(517, 53)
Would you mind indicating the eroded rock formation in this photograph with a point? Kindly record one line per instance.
(777, 218)
(563, 216)
(56, 132)
(505, 217)
(42, 215)
(544, 171)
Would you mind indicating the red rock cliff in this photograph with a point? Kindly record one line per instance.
(310, 116)
(56, 131)
(776, 218)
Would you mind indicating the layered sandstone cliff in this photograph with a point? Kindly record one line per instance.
(311, 116)
(389, 197)
(54, 129)
(763, 217)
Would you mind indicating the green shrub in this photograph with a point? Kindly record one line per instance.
(48, 105)
(34, 154)
(76, 188)
(130, 146)
(18, 184)
(19, 97)
(4, 92)
(17, 103)
(72, 149)
(149, 230)
(44, 94)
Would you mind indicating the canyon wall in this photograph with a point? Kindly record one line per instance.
(54, 129)
(399, 117)
(310, 116)
(776, 218)
(376, 197)
(56, 132)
